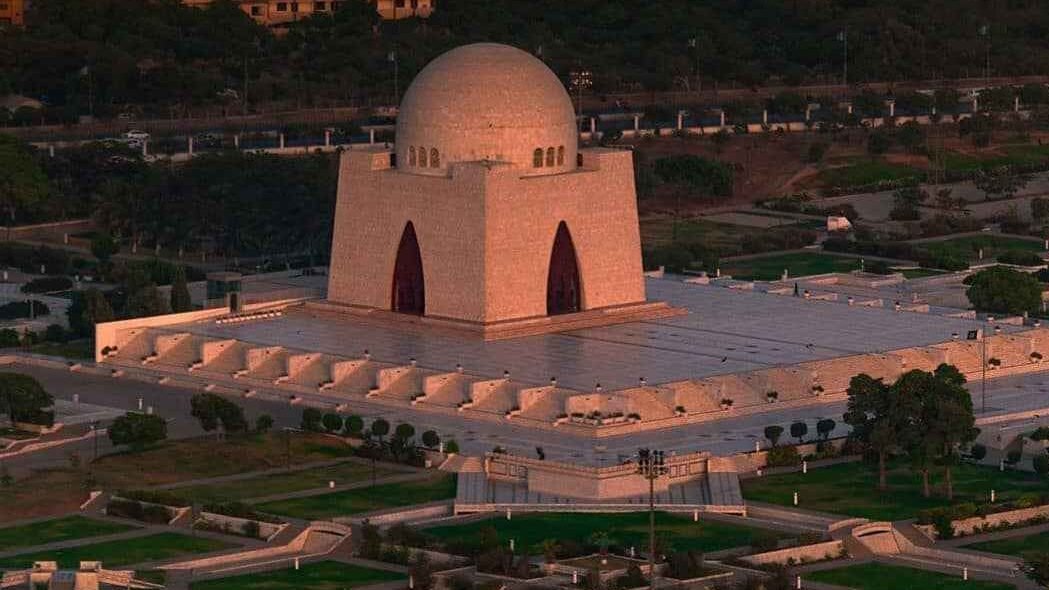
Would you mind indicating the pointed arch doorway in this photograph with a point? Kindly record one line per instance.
(409, 289)
(562, 284)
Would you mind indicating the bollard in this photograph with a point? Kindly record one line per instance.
(575, 576)
(511, 544)
(331, 484)
(992, 496)
(757, 446)
(759, 472)
(140, 404)
(633, 552)
(296, 564)
(507, 514)
(965, 573)
(76, 398)
(804, 466)
(795, 498)
(411, 581)
(149, 410)
(797, 582)
(281, 141)
(695, 516)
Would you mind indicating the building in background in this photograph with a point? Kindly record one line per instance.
(12, 12)
(279, 13)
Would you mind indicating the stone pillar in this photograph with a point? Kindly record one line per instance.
(189, 145)
(236, 141)
(637, 123)
(680, 120)
(933, 111)
(145, 148)
(281, 141)
(371, 136)
(722, 115)
(593, 126)
(1016, 104)
(765, 117)
(848, 107)
(892, 108)
(327, 138)
(976, 104)
(51, 150)
(808, 112)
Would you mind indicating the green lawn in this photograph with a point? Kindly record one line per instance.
(799, 264)
(59, 529)
(851, 489)
(280, 483)
(968, 247)
(866, 172)
(1014, 546)
(366, 499)
(324, 575)
(79, 350)
(879, 576)
(624, 529)
(121, 553)
(1024, 154)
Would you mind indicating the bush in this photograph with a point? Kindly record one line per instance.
(331, 422)
(944, 528)
(48, 285)
(354, 425)
(239, 510)
(155, 497)
(138, 429)
(431, 439)
(816, 152)
(21, 309)
(311, 420)
(451, 447)
(1040, 433)
(1020, 258)
(263, 423)
(783, 457)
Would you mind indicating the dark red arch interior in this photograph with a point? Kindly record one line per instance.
(562, 284)
(409, 290)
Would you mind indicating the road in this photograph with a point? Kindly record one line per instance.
(729, 435)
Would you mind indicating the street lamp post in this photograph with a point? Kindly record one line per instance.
(651, 466)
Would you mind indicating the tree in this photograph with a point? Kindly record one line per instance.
(906, 203)
(910, 136)
(1041, 465)
(138, 430)
(1000, 182)
(311, 420)
(431, 439)
(1000, 289)
(146, 302)
(332, 422)
(180, 298)
(212, 411)
(944, 421)
(1036, 567)
(824, 427)
(23, 184)
(354, 425)
(23, 399)
(404, 431)
(380, 428)
(1039, 208)
(88, 307)
(877, 417)
(263, 423)
(772, 433)
(103, 247)
(798, 430)
(451, 447)
(978, 452)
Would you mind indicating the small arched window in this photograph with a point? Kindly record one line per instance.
(561, 156)
(422, 157)
(549, 156)
(411, 155)
(537, 158)
(435, 158)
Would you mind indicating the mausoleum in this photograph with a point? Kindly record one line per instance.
(487, 215)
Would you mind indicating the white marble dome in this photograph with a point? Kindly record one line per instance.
(486, 101)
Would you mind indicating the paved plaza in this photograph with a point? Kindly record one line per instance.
(725, 331)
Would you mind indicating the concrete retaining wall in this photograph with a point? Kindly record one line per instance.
(969, 526)
(267, 530)
(383, 519)
(802, 554)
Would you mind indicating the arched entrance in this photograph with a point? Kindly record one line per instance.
(409, 293)
(562, 284)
